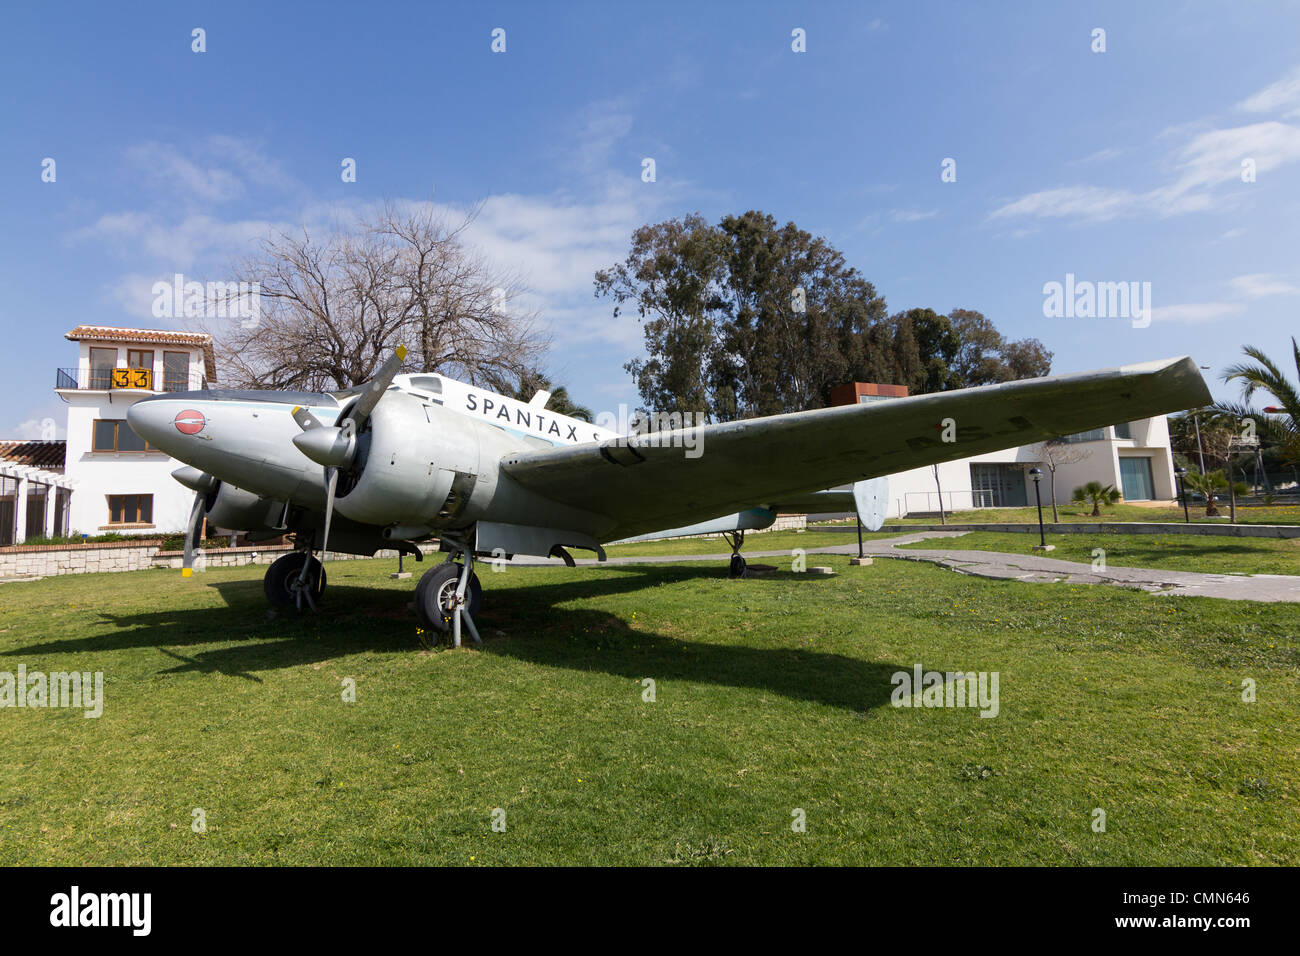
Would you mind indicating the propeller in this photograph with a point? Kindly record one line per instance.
(335, 446)
(193, 531)
(203, 484)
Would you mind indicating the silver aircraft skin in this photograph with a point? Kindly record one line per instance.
(406, 458)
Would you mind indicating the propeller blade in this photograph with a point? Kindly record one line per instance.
(331, 483)
(192, 533)
(305, 419)
(376, 387)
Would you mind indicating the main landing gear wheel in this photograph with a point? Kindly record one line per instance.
(435, 596)
(736, 539)
(284, 582)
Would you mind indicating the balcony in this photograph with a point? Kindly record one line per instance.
(127, 379)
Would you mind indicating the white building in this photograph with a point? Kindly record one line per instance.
(120, 483)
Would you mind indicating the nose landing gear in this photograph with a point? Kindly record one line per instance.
(736, 539)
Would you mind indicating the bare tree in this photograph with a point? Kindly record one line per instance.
(1055, 453)
(334, 306)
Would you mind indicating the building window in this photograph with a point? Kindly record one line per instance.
(1135, 479)
(998, 485)
(139, 358)
(1097, 434)
(114, 434)
(176, 371)
(1124, 430)
(130, 509)
(102, 363)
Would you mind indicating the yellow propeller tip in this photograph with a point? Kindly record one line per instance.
(401, 353)
(296, 410)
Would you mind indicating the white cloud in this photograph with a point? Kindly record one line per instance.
(167, 168)
(1196, 313)
(1209, 160)
(1206, 160)
(1100, 156)
(1285, 92)
(1089, 203)
(34, 429)
(178, 245)
(912, 215)
(1259, 285)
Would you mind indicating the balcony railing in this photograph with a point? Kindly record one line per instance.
(139, 379)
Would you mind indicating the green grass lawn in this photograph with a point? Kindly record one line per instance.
(1172, 552)
(764, 541)
(1261, 514)
(773, 694)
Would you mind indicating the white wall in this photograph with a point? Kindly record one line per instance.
(915, 490)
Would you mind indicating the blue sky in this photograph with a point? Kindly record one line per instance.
(1115, 166)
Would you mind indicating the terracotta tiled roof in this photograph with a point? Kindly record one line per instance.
(112, 333)
(45, 455)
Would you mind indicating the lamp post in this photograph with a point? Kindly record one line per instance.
(1182, 492)
(1037, 475)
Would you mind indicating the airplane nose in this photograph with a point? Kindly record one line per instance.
(156, 421)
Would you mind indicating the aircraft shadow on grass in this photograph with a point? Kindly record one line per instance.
(540, 632)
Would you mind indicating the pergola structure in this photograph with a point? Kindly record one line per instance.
(33, 502)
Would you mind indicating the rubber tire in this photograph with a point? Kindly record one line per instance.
(282, 569)
(435, 581)
(737, 566)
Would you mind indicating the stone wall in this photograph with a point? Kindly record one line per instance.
(50, 560)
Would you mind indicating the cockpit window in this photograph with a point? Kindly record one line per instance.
(430, 383)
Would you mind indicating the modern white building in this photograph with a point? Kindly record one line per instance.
(1134, 457)
(120, 483)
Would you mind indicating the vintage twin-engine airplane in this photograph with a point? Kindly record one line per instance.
(409, 457)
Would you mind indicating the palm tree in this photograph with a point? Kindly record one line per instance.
(1097, 493)
(1209, 485)
(530, 381)
(1280, 422)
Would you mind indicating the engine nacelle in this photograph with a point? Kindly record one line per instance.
(417, 464)
(238, 510)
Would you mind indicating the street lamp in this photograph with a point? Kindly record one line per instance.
(1037, 475)
(1182, 492)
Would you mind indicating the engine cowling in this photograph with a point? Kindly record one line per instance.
(416, 465)
(238, 510)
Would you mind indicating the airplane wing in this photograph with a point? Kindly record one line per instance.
(830, 501)
(648, 482)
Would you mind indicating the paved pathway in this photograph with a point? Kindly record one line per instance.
(1021, 567)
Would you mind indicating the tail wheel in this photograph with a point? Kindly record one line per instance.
(282, 577)
(435, 596)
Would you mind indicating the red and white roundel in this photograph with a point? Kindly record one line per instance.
(189, 422)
